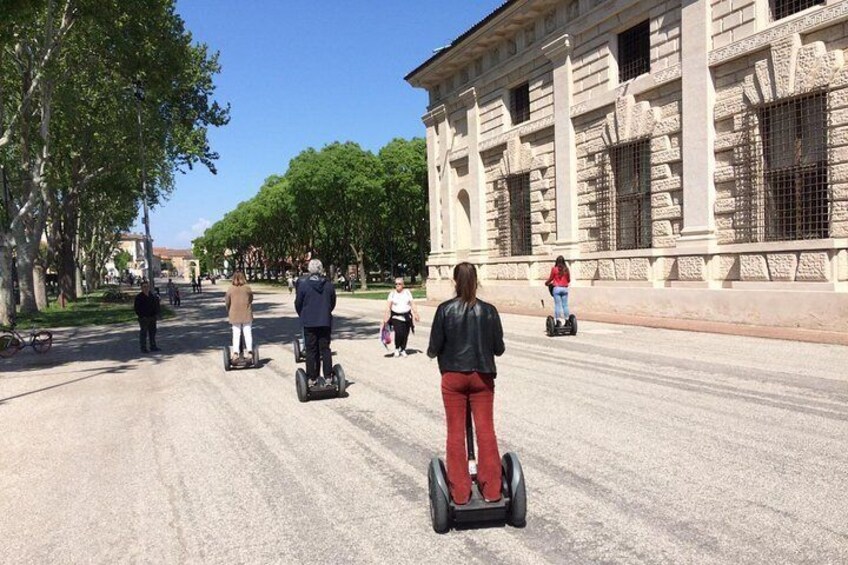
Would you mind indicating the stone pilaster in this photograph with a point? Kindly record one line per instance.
(477, 176)
(434, 148)
(446, 196)
(698, 121)
(565, 147)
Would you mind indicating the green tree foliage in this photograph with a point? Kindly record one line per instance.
(341, 203)
(69, 124)
(405, 206)
(122, 260)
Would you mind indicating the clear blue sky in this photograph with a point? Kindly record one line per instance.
(304, 74)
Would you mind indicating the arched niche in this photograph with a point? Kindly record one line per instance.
(463, 221)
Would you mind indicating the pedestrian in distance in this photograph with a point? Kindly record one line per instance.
(291, 283)
(239, 301)
(170, 288)
(147, 310)
(558, 282)
(314, 303)
(193, 284)
(401, 315)
(465, 337)
(199, 285)
(177, 298)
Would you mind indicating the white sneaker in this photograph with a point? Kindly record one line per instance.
(397, 353)
(403, 353)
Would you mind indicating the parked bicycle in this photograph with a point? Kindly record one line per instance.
(11, 341)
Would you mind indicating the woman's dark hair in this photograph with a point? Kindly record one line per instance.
(465, 278)
(562, 268)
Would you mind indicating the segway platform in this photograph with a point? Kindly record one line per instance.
(244, 360)
(511, 508)
(299, 348)
(568, 328)
(333, 387)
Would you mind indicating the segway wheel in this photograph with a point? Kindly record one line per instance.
(550, 326)
(255, 355)
(517, 492)
(296, 348)
(302, 385)
(573, 321)
(227, 362)
(439, 508)
(341, 380)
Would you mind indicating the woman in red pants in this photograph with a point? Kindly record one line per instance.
(466, 336)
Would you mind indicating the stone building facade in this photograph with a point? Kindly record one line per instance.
(689, 159)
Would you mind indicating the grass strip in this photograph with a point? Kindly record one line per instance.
(91, 310)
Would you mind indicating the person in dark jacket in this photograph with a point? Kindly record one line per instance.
(147, 309)
(466, 336)
(314, 302)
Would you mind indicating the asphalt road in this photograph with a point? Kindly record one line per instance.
(639, 446)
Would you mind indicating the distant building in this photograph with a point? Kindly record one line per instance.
(134, 244)
(182, 261)
(689, 160)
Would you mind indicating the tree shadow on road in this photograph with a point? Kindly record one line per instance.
(114, 370)
(200, 325)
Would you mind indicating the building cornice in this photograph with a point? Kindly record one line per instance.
(821, 17)
(435, 115)
(510, 18)
(468, 97)
(559, 49)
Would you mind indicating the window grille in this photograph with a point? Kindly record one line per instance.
(634, 51)
(520, 103)
(603, 200)
(631, 165)
(623, 202)
(785, 194)
(795, 168)
(513, 206)
(784, 8)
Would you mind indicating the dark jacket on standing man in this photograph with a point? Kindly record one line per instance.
(315, 300)
(466, 338)
(146, 305)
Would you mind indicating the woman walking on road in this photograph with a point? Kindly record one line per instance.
(558, 280)
(466, 336)
(400, 311)
(239, 301)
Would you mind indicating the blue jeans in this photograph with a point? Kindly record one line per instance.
(561, 302)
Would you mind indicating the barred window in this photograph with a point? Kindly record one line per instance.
(634, 51)
(631, 167)
(519, 99)
(784, 8)
(513, 203)
(795, 168)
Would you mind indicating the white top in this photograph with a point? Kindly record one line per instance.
(401, 301)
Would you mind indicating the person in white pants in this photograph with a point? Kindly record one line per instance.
(239, 301)
(248, 337)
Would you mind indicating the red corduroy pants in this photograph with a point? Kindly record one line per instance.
(458, 389)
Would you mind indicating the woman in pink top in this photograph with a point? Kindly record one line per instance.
(559, 279)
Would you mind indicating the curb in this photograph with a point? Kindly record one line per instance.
(701, 326)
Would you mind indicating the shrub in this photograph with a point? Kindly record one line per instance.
(113, 294)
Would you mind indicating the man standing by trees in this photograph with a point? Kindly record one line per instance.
(147, 310)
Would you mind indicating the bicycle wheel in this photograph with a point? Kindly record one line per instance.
(9, 344)
(42, 341)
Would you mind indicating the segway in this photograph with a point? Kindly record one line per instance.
(299, 347)
(243, 360)
(332, 387)
(511, 508)
(568, 328)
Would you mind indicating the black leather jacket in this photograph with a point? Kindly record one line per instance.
(466, 338)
